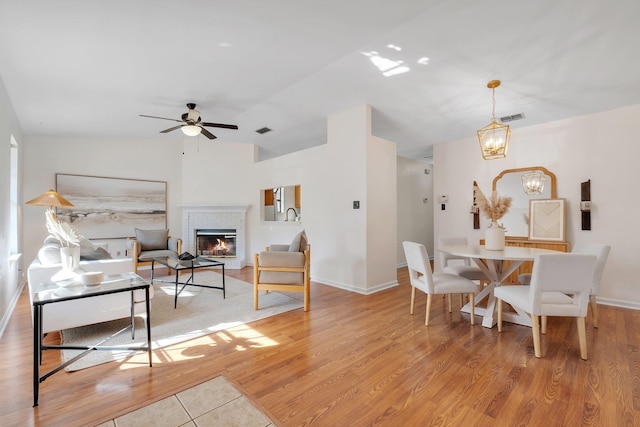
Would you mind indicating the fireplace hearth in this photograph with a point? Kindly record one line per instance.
(216, 243)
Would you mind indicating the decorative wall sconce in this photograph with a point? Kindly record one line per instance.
(533, 182)
(585, 204)
(475, 209)
(494, 138)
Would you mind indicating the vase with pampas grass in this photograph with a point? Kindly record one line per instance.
(69, 239)
(494, 209)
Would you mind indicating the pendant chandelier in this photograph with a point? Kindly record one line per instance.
(494, 138)
(533, 183)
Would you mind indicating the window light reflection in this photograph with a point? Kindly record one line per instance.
(392, 67)
(389, 67)
(241, 337)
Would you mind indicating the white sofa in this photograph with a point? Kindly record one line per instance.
(70, 314)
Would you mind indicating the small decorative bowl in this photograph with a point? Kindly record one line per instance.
(91, 278)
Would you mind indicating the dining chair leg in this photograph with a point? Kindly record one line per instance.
(582, 337)
(413, 299)
(535, 329)
(449, 299)
(594, 310)
(472, 304)
(544, 325)
(426, 316)
(499, 302)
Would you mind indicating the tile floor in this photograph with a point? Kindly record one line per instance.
(213, 403)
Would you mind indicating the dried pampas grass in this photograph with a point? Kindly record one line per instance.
(63, 231)
(496, 207)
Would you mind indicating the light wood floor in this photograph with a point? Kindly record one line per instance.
(356, 360)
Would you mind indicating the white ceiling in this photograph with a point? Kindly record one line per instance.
(89, 68)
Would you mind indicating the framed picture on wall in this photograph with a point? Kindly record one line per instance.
(547, 219)
(110, 208)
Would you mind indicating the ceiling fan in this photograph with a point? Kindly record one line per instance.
(192, 124)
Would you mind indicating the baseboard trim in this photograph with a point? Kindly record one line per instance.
(12, 305)
(350, 288)
(633, 305)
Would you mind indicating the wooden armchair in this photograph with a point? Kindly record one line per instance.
(279, 268)
(149, 244)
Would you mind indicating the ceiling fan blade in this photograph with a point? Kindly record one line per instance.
(219, 125)
(207, 133)
(170, 129)
(163, 118)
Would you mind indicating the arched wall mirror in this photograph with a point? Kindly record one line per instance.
(509, 184)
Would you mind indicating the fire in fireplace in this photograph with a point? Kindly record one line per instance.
(216, 243)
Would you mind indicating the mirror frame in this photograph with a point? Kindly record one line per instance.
(552, 184)
(546, 171)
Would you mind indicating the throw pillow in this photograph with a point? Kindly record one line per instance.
(97, 254)
(304, 242)
(152, 240)
(86, 247)
(299, 243)
(49, 252)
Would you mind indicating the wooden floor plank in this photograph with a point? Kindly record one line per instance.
(356, 360)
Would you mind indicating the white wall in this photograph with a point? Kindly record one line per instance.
(158, 160)
(10, 276)
(332, 177)
(415, 218)
(382, 220)
(602, 147)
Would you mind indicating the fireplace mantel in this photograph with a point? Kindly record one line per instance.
(216, 216)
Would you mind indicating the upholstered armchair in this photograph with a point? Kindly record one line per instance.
(149, 244)
(283, 268)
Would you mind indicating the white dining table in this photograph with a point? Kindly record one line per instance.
(494, 265)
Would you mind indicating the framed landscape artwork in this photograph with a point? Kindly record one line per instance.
(110, 208)
(546, 219)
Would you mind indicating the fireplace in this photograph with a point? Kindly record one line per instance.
(216, 217)
(216, 243)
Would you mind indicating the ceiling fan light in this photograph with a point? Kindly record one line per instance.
(191, 130)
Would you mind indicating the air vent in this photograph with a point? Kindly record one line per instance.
(263, 130)
(511, 118)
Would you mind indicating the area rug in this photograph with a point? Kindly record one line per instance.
(200, 311)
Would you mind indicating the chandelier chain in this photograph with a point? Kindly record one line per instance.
(493, 109)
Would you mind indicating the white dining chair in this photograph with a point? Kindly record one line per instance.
(460, 266)
(602, 253)
(560, 286)
(421, 277)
